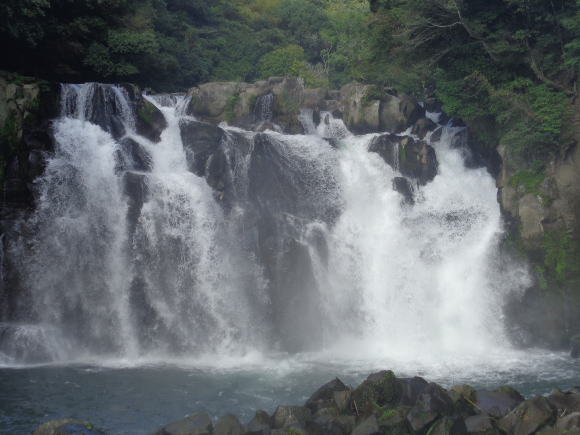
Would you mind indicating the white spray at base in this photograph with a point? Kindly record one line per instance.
(398, 282)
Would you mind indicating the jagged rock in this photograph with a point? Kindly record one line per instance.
(369, 426)
(200, 140)
(570, 424)
(228, 425)
(324, 396)
(422, 127)
(564, 402)
(149, 120)
(394, 421)
(405, 188)
(194, 424)
(260, 424)
(498, 403)
(137, 190)
(290, 416)
(328, 421)
(67, 427)
(433, 402)
(448, 426)
(528, 417)
(342, 400)
(414, 159)
(411, 388)
(436, 136)
(379, 389)
(134, 156)
(481, 424)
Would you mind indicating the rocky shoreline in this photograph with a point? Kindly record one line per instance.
(385, 404)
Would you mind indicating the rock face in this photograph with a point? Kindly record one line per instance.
(414, 159)
(542, 209)
(276, 103)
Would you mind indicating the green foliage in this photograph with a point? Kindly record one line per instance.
(562, 257)
(529, 180)
(231, 107)
(285, 61)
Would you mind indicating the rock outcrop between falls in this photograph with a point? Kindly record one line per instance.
(386, 404)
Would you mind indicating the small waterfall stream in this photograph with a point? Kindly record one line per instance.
(261, 242)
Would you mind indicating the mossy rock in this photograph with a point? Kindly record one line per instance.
(379, 390)
(150, 121)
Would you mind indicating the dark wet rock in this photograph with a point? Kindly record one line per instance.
(324, 396)
(228, 425)
(414, 159)
(200, 140)
(575, 346)
(66, 427)
(436, 136)
(194, 424)
(260, 424)
(379, 389)
(433, 402)
(134, 156)
(448, 426)
(411, 388)
(342, 400)
(481, 424)
(394, 421)
(285, 416)
(328, 421)
(405, 188)
(528, 417)
(422, 127)
(137, 190)
(569, 424)
(150, 121)
(564, 402)
(369, 426)
(498, 403)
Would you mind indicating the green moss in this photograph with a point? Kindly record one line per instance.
(561, 257)
(528, 180)
(373, 93)
(230, 111)
(146, 112)
(9, 133)
(252, 102)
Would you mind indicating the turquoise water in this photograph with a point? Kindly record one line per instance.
(136, 398)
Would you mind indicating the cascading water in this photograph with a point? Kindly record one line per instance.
(253, 242)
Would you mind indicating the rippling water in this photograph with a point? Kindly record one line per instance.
(138, 397)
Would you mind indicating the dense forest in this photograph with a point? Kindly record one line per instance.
(507, 68)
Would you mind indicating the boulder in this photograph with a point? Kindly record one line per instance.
(194, 424)
(564, 402)
(529, 417)
(149, 120)
(285, 416)
(67, 427)
(448, 426)
(137, 190)
(379, 389)
(411, 388)
(369, 426)
(422, 127)
(342, 400)
(436, 136)
(261, 424)
(569, 424)
(200, 140)
(412, 158)
(133, 156)
(228, 425)
(328, 421)
(481, 424)
(210, 101)
(394, 421)
(324, 396)
(434, 402)
(498, 403)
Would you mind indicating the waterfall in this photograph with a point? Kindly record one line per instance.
(223, 242)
